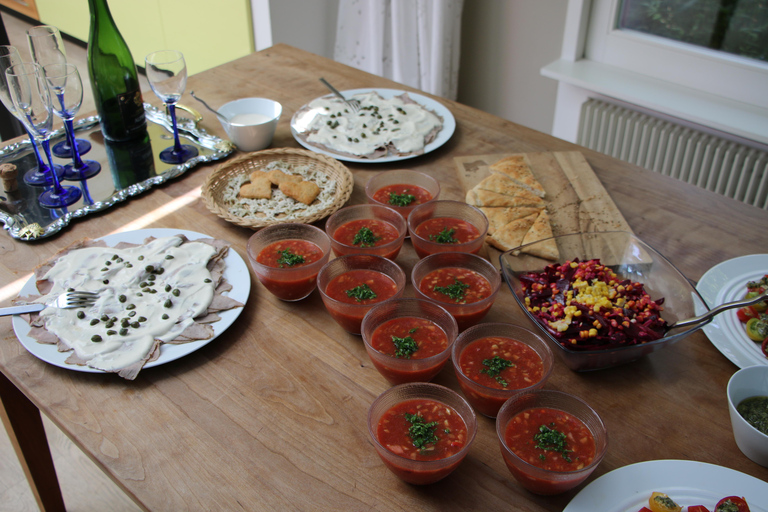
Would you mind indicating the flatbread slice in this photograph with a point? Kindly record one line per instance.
(511, 235)
(541, 229)
(480, 197)
(518, 170)
(501, 184)
(502, 215)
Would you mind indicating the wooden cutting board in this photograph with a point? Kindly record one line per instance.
(576, 200)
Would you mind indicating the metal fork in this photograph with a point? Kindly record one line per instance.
(352, 103)
(67, 300)
(719, 309)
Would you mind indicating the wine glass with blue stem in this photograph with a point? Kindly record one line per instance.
(167, 76)
(40, 175)
(66, 90)
(47, 47)
(30, 96)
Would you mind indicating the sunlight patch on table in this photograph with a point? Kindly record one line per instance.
(156, 214)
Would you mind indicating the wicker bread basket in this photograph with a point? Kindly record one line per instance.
(214, 185)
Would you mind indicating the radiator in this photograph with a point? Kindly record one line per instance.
(695, 156)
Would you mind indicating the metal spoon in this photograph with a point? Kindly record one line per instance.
(719, 309)
(220, 116)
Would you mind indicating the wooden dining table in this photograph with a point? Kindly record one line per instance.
(272, 414)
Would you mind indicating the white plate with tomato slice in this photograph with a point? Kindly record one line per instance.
(687, 482)
(727, 282)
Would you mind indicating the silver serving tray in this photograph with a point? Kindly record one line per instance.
(127, 171)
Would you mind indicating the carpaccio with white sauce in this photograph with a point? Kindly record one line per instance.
(166, 290)
(586, 306)
(383, 126)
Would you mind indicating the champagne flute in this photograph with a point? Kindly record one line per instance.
(47, 47)
(39, 176)
(65, 85)
(31, 99)
(167, 75)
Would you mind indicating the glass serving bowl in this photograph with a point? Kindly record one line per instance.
(630, 258)
(545, 481)
(289, 283)
(466, 314)
(401, 177)
(398, 370)
(350, 315)
(446, 209)
(488, 400)
(420, 472)
(361, 213)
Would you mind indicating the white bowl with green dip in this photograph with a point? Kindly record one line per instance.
(748, 405)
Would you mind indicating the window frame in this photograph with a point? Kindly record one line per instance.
(714, 72)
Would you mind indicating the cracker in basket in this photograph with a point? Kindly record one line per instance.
(258, 188)
(302, 191)
(279, 205)
(277, 176)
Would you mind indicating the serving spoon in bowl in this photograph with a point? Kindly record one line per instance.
(719, 309)
(220, 116)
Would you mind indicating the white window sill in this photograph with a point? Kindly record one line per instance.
(739, 119)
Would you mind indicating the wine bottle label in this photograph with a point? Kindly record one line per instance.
(129, 100)
(131, 108)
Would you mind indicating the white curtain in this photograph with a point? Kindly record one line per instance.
(414, 42)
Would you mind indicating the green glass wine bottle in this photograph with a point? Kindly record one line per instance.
(114, 80)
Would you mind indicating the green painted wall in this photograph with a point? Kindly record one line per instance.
(208, 33)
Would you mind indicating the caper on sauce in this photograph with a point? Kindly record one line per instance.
(125, 323)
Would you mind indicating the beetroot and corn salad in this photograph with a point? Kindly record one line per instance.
(585, 306)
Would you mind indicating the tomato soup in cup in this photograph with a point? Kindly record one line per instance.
(495, 361)
(366, 229)
(464, 284)
(351, 285)
(446, 429)
(402, 190)
(447, 226)
(550, 441)
(408, 340)
(287, 258)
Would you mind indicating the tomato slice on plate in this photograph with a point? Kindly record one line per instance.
(764, 347)
(697, 508)
(732, 504)
(660, 502)
(757, 329)
(744, 314)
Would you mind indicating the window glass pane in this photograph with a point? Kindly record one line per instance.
(739, 27)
